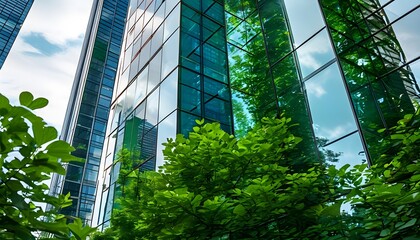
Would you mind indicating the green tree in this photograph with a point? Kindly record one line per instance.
(214, 186)
(387, 204)
(29, 154)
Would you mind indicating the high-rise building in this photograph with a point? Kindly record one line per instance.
(12, 16)
(341, 69)
(87, 112)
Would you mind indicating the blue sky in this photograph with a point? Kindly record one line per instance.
(44, 57)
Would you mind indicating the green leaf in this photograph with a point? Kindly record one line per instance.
(408, 224)
(239, 210)
(38, 103)
(333, 210)
(385, 232)
(43, 134)
(79, 231)
(398, 136)
(25, 98)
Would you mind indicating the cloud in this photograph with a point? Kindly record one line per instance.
(58, 20)
(315, 89)
(41, 45)
(44, 57)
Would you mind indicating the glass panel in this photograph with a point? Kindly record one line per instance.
(415, 69)
(190, 78)
(157, 40)
(408, 33)
(215, 63)
(190, 100)
(187, 122)
(141, 85)
(305, 19)
(399, 7)
(346, 151)
(166, 129)
(190, 52)
(315, 53)
(170, 54)
(148, 147)
(276, 31)
(332, 116)
(74, 173)
(152, 108)
(217, 109)
(172, 21)
(129, 98)
(216, 89)
(243, 120)
(154, 72)
(285, 73)
(168, 95)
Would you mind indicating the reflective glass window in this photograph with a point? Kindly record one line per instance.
(172, 21)
(398, 8)
(275, 30)
(345, 151)
(407, 32)
(304, 17)
(170, 54)
(152, 108)
(141, 86)
(186, 122)
(154, 72)
(330, 107)
(74, 173)
(243, 120)
(190, 78)
(315, 53)
(216, 88)
(166, 129)
(168, 95)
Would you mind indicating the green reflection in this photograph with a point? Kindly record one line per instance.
(264, 77)
(370, 56)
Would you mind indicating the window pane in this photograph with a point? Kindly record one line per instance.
(305, 18)
(332, 116)
(315, 53)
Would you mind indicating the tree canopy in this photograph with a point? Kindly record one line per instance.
(216, 186)
(29, 154)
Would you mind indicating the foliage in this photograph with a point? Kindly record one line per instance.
(29, 154)
(214, 186)
(387, 205)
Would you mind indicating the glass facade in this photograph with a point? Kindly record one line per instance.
(12, 16)
(340, 69)
(174, 70)
(89, 105)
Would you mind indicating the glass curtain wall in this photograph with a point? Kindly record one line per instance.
(87, 114)
(376, 43)
(173, 71)
(342, 70)
(282, 61)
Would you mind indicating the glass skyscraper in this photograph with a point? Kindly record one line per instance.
(87, 112)
(12, 16)
(341, 69)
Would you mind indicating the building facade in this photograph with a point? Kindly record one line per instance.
(12, 16)
(342, 70)
(88, 109)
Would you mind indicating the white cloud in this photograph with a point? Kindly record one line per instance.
(315, 88)
(60, 22)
